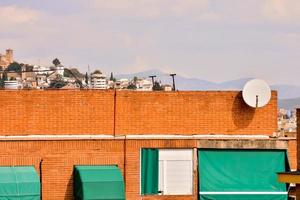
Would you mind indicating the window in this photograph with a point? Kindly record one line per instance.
(167, 171)
(176, 172)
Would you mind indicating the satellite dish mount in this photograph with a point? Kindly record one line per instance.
(256, 93)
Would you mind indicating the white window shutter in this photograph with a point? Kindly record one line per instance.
(179, 179)
(176, 171)
(161, 175)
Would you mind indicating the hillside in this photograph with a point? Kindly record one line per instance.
(184, 83)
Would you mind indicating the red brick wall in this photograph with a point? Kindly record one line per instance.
(192, 113)
(292, 152)
(59, 158)
(133, 167)
(56, 112)
(298, 142)
(92, 112)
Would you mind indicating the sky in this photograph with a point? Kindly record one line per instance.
(214, 40)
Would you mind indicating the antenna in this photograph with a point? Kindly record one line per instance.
(90, 80)
(152, 77)
(256, 93)
(173, 78)
(89, 71)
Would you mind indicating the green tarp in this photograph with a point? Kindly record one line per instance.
(241, 174)
(98, 183)
(19, 183)
(149, 171)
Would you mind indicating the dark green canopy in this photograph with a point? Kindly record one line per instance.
(19, 183)
(98, 183)
(241, 174)
(149, 172)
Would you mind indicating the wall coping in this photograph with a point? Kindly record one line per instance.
(136, 137)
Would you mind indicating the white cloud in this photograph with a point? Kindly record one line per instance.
(12, 15)
(282, 10)
(153, 9)
(195, 37)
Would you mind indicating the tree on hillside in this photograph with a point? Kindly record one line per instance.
(67, 74)
(16, 67)
(86, 78)
(97, 72)
(58, 82)
(73, 72)
(29, 68)
(157, 86)
(131, 86)
(56, 62)
(112, 78)
(3, 78)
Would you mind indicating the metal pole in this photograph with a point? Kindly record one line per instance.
(152, 77)
(173, 78)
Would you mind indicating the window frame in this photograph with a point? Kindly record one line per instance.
(192, 161)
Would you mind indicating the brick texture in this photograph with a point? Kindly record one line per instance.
(298, 151)
(192, 113)
(298, 141)
(292, 152)
(56, 112)
(58, 159)
(54, 161)
(121, 113)
(93, 112)
(133, 167)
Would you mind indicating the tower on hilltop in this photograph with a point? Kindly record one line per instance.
(9, 56)
(6, 59)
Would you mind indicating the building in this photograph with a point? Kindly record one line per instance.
(29, 80)
(199, 145)
(287, 122)
(6, 59)
(12, 85)
(14, 76)
(41, 70)
(53, 76)
(98, 81)
(144, 85)
(59, 69)
(122, 83)
(41, 81)
(293, 176)
(167, 87)
(110, 84)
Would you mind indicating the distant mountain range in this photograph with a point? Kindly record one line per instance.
(289, 95)
(289, 103)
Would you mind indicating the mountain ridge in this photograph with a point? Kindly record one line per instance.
(285, 91)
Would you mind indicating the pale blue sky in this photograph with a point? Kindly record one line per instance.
(215, 40)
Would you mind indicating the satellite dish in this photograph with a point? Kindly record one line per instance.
(256, 93)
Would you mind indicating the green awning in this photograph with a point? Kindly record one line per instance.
(241, 174)
(19, 183)
(98, 183)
